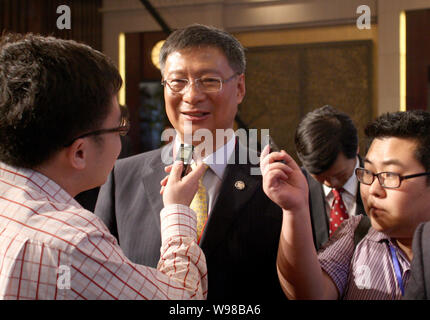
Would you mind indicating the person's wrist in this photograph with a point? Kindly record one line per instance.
(177, 219)
(296, 211)
(173, 201)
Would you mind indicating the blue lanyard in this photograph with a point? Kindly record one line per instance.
(397, 269)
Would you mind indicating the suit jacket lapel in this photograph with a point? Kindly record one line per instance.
(360, 207)
(319, 221)
(152, 174)
(229, 203)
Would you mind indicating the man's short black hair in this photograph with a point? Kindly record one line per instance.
(51, 90)
(198, 35)
(322, 135)
(413, 124)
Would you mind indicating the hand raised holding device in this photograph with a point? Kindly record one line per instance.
(274, 147)
(181, 190)
(184, 155)
(283, 181)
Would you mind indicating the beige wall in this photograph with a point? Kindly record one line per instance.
(231, 15)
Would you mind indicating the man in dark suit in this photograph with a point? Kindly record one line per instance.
(203, 77)
(418, 287)
(327, 145)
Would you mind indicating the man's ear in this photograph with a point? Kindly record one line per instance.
(241, 88)
(77, 154)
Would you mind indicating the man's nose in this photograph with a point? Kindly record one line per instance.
(192, 92)
(333, 183)
(375, 188)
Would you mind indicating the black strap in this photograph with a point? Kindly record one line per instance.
(361, 230)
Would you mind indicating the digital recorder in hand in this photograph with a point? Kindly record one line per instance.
(185, 154)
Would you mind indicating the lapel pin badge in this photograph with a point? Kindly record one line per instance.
(239, 185)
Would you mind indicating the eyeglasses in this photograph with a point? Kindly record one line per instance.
(122, 129)
(204, 84)
(389, 180)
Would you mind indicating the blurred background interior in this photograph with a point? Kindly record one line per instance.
(301, 54)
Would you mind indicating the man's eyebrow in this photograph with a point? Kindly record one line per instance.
(393, 162)
(176, 71)
(200, 72)
(209, 70)
(387, 162)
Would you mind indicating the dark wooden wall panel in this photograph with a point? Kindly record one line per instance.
(40, 16)
(133, 71)
(417, 58)
(286, 82)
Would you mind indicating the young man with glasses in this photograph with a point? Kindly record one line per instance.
(60, 127)
(203, 76)
(395, 188)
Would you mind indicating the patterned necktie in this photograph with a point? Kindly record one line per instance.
(200, 204)
(338, 211)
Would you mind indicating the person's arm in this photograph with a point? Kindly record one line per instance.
(299, 271)
(100, 269)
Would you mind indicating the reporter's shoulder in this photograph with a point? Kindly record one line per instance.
(425, 228)
(75, 223)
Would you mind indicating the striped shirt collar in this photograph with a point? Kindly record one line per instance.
(377, 236)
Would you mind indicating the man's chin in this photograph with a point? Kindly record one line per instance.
(380, 225)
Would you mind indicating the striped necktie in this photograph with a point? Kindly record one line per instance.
(200, 204)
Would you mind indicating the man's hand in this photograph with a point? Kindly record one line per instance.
(283, 183)
(180, 191)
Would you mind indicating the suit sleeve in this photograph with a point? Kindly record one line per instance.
(415, 289)
(105, 206)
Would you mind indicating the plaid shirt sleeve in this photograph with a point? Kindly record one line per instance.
(99, 269)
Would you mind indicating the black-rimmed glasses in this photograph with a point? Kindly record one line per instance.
(122, 129)
(390, 180)
(204, 84)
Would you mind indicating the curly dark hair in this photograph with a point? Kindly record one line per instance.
(198, 35)
(413, 124)
(322, 135)
(51, 90)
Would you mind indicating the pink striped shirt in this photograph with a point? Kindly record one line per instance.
(366, 273)
(52, 248)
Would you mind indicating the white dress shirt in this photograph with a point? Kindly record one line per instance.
(217, 163)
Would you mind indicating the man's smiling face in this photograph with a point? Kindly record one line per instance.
(206, 110)
(396, 212)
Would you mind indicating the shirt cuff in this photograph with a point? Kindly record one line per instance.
(178, 220)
